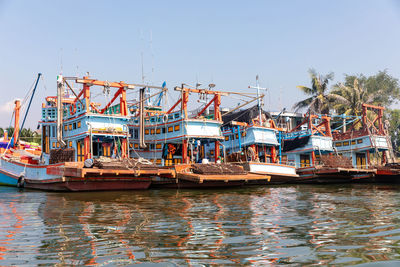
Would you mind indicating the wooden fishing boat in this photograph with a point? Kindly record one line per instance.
(365, 140)
(252, 142)
(176, 137)
(75, 129)
(309, 148)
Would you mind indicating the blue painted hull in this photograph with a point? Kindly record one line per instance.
(7, 180)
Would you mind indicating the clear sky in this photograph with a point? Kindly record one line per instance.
(223, 42)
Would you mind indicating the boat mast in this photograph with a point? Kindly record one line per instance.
(16, 122)
(259, 98)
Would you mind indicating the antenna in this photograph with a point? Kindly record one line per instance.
(258, 97)
(141, 55)
(152, 56)
(77, 66)
(61, 60)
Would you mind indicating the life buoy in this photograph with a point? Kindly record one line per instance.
(21, 182)
(165, 118)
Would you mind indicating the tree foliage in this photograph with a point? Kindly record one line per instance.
(348, 98)
(319, 101)
(394, 128)
(383, 87)
(26, 135)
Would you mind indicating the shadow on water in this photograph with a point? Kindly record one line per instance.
(296, 224)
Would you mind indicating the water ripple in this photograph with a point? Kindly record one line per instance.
(291, 225)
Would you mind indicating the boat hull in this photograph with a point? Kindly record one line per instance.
(75, 186)
(279, 173)
(327, 175)
(59, 177)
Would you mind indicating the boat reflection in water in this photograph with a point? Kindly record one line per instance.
(304, 224)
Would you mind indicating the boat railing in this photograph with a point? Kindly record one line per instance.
(296, 134)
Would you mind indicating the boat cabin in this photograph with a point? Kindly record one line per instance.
(175, 136)
(365, 138)
(302, 147)
(72, 120)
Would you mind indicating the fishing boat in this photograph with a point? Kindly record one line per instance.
(365, 140)
(188, 142)
(309, 147)
(252, 140)
(77, 133)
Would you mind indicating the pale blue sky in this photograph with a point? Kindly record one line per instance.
(224, 42)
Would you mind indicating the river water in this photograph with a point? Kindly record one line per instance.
(295, 225)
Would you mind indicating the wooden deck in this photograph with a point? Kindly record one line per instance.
(201, 178)
(76, 169)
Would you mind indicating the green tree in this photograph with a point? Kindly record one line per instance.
(10, 131)
(394, 128)
(383, 87)
(319, 100)
(348, 99)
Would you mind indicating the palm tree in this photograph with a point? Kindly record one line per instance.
(349, 99)
(319, 100)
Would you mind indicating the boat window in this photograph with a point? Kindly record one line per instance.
(163, 130)
(79, 124)
(158, 146)
(152, 131)
(304, 160)
(359, 141)
(244, 134)
(53, 145)
(170, 117)
(227, 138)
(153, 119)
(159, 119)
(353, 142)
(176, 115)
(70, 143)
(136, 145)
(131, 145)
(136, 121)
(65, 127)
(170, 129)
(237, 136)
(74, 126)
(177, 127)
(136, 134)
(346, 143)
(338, 144)
(158, 131)
(151, 146)
(70, 127)
(146, 131)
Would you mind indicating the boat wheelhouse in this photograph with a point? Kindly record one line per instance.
(175, 136)
(310, 139)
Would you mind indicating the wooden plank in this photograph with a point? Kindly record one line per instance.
(226, 178)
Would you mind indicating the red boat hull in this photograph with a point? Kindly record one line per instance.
(90, 185)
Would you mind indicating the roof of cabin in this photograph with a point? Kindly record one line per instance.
(245, 115)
